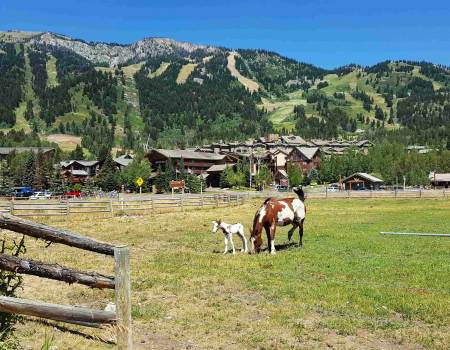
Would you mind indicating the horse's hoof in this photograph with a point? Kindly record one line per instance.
(273, 253)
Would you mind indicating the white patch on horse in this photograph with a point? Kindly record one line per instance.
(272, 247)
(262, 214)
(285, 213)
(299, 209)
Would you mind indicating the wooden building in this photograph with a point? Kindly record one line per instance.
(306, 158)
(77, 171)
(362, 181)
(194, 162)
(46, 151)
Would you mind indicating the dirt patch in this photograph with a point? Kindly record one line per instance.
(63, 138)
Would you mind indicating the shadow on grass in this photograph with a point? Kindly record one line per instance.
(70, 330)
(278, 247)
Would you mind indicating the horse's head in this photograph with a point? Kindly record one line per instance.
(216, 225)
(299, 192)
(255, 238)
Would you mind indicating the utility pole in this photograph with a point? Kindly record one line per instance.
(250, 162)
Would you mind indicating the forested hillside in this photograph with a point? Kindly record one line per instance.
(163, 93)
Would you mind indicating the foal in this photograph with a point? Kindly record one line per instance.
(228, 231)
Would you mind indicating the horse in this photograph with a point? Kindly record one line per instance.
(278, 212)
(228, 231)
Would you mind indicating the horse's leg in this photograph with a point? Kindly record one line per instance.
(292, 230)
(232, 243)
(272, 239)
(225, 239)
(268, 229)
(244, 240)
(300, 231)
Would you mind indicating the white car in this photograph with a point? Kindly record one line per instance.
(333, 188)
(41, 195)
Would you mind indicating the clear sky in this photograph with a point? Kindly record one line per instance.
(325, 33)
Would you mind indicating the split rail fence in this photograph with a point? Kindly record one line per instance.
(439, 193)
(120, 205)
(120, 318)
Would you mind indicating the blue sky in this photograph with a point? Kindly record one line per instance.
(325, 33)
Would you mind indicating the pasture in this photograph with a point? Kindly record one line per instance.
(349, 287)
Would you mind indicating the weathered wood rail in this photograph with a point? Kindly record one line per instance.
(121, 318)
(64, 207)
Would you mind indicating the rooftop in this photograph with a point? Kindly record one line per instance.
(188, 154)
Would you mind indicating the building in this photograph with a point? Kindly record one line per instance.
(6, 151)
(440, 180)
(281, 178)
(214, 173)
(77, 171)
(362, 181)
(306, 158)
(194, 162)
(123, 161)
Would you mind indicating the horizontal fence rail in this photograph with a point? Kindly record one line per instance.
(441, 193)
(121, 317)
(143, 205)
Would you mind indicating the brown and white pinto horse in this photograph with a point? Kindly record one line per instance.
(278, 212)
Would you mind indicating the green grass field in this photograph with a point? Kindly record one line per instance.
(348, 288)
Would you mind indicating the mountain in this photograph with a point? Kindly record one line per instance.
(166, 93)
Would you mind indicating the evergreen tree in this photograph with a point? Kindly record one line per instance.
(108, 176)
(295, 175)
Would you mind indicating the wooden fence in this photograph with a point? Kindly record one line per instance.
(439, 193)
(121, 318)
(117, 205)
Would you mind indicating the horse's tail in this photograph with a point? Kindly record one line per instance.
(299, 192)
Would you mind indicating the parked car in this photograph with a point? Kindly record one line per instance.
(333, 188)
(73, 193)
(281, 188)
(22, 192)
(41, 195)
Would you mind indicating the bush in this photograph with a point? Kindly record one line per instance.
(9, 283)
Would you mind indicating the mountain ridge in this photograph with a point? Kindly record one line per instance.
(179, 93)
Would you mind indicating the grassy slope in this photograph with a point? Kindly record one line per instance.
(185, 72)
(161, 69)
(251, 85)
(350, 287)
(346, 83)
(280, 110)
(52, 72)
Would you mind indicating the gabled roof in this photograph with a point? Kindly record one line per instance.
(293, 139)
(185, 154)
(86, 163)
(365, 176)
(218, 168)
(124, 160)
(282, 172)
(8, 150)
(308, 152)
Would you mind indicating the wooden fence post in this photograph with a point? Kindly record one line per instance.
(123, 298)
(111, 207)
(217, 200)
